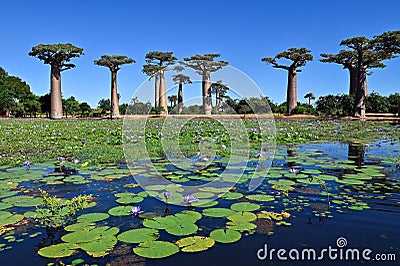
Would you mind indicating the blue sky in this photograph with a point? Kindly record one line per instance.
(243, 32)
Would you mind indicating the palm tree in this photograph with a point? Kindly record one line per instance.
(310, 97)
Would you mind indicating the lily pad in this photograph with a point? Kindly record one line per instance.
(182, 229)
(242, 217)
(240, 226)
(139, 235)
(7, 218)
(156, 249)
(195, 243)
(218, 212)
(92, 217)
(120, 211)
(245, 206)
(261, 197)
(225, 235)
(58, 251)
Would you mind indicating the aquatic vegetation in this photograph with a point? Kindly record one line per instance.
(57, 212)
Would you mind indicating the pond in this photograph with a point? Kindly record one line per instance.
(319, 195)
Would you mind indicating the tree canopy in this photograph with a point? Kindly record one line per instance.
(114, 62)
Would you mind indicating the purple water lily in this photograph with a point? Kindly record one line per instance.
(26, 163)
(167, 194)
(190, 199)
(135, 211)
(61, 159)
(75, 161)
(294, 171)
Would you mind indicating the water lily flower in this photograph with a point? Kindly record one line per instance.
(378, 144)
(135, 211)
(294, 171)
(167, 194)
(223, 146)
(75, 161)
(61, 159)
(26, 163)
(190, 199)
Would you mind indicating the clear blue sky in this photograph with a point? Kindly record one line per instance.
(241, 31)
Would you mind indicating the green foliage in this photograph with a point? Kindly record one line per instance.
(394, 103)
(104, 105)
(335, 104)
(71, 106)
(304, 108)
(298, 56)
(85, 108)
(57, 55)
(377, 103)
(114, 62)
(57, 212)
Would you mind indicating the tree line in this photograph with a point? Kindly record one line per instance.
(360, 56)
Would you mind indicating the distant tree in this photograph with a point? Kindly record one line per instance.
(156, 64)
(173, 99)
(335, 104)
(394, 103)
(45, 102)
(58, 57)
(85, 108)
(104, 105)
(204, 65)
(32, 105)
(71, 106)
(114, 63)
(180, 79)
(310, 96)
(299, 58)
(377, 103)
(220, 90)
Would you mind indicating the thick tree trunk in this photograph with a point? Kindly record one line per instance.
(361, 94)
(163, 94)
(353, 81)
(217, 102)
(157, 91)
(56, 111)
(291, 97)
(114, 96)
(180, 98)
(207, 100)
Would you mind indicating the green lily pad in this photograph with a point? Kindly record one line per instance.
(232, 196)
(24, 201)
(80, 227)
(92, 217)
(58, 251)
(195, 243)
(182, 229)
(156, 249)
(261, 197)
(99, 245)
(225, 235)
(139, 235)
(218, 212)
(7, 218)
(245, 206)
(240, 226)
(242, 217)
(120, 211)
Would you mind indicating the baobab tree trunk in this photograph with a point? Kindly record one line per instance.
(353, 81)
(114, 96)
(217, 101)
(180, 98)
(207, 100)
(157, 91)
(291, 97)
(56, 111)
(361, 92)
(163, 94)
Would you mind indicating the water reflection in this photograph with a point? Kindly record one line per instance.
(356, 153)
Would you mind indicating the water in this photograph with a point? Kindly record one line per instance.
(316, 223)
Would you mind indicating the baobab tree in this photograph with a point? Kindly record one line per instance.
(299, 58)
(58, 57)
(310, 96)
(204, 65)
(369, 54)
(114, 63)
(152, 72)
(219, 89)
(180, 79)
(156, 64)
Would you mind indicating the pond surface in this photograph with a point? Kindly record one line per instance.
(313, 195)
